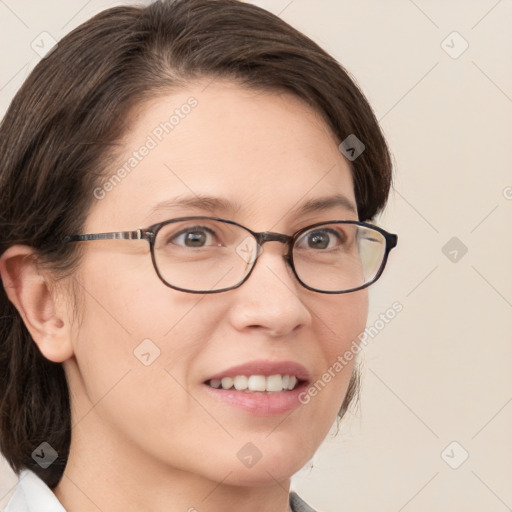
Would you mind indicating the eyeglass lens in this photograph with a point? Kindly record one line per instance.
(207, 255)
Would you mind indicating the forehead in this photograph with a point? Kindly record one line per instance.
(264, 152)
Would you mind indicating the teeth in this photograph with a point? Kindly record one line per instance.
(215, 383)
(273, 383)
(240, 382)
(257, 383)
(227, 383)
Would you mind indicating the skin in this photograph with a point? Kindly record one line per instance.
(150, 438)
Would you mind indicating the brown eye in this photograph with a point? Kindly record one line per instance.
(196, 236)
(319, 239)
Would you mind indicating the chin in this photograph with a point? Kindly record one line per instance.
(261, 475)
(260, 464)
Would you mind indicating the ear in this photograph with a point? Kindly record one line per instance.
(30, 290)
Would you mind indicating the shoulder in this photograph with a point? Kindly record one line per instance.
(299, 505)
(32, 495)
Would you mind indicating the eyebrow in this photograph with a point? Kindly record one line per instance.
(202, 202)
(326, 203)
(218, 204)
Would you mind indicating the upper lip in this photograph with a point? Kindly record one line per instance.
(265, 368)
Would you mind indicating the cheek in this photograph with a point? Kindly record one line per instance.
(340, 320)
(135, 347)
(344, 318)
(125, 299)
(136, 350)
(131, 321)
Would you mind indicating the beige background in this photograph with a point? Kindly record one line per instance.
(441, 370)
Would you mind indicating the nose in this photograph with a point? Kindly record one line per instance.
(271, 298)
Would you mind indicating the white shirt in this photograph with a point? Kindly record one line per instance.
(33, 495)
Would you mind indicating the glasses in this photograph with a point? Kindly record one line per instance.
(211, 255)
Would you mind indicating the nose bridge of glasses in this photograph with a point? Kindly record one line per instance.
(269, 236)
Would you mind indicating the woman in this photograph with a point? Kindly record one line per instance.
(184, 258)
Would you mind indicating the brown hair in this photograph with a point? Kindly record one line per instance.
(62, 129)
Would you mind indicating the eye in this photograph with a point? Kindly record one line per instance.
(320, 239)
(194, 236)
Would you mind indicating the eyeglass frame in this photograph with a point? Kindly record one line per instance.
(150, 233)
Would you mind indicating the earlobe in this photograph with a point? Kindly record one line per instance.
(28, 288)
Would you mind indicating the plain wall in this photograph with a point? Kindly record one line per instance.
(437, 380)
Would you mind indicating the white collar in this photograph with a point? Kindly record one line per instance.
(33, 495)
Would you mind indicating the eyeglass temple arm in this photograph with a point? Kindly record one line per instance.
(139, 234)
(392, 240)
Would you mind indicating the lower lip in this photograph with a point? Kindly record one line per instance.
(260, 403)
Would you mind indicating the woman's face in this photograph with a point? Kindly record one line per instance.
(144, 352)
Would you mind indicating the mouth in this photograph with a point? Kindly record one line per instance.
(257, 383)
(262, 388)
